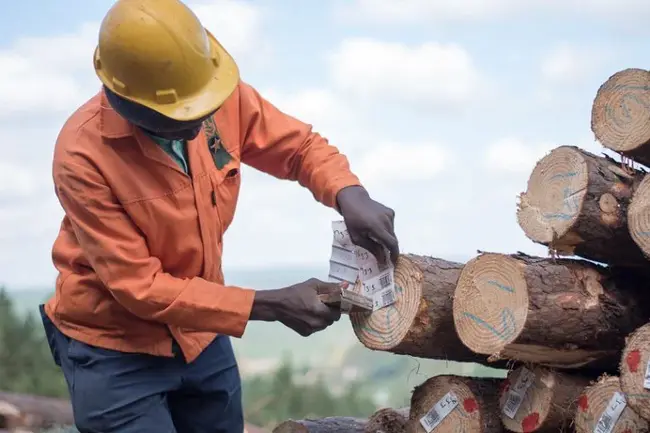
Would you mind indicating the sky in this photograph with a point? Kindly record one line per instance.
(442, 107)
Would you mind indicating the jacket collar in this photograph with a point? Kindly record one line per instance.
(112, 125)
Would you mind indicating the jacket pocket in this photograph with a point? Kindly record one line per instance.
(225, 192)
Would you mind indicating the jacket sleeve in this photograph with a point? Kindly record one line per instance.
(119, 255)
(284, 147)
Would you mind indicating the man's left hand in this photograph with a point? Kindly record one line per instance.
(369, 223)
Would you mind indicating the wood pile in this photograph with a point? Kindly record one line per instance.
(572, 329)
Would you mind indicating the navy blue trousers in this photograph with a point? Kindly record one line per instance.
(113, 391)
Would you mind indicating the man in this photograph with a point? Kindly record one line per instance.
(148, 173)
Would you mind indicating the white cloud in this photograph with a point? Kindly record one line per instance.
(411, 11)
(567, 64)
(402, 162)
(430, 74)
(511, 155)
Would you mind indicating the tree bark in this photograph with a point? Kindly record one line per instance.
(576, 204)
(538, 399)
(620, 115)
(634, 363)
(324, 425)
(477, 409)
(420, 323)
(388, 421)
(40, 412)
(559, 313)
(595, 401)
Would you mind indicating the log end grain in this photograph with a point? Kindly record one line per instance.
(620, 115)
(634, 363)
(388, 420)
(638, 216)
(385, 329)
(475, 412)
(553, 200)
(596, 401)
(491, 303)
(539, 399)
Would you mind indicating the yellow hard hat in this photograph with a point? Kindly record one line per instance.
(156, 53)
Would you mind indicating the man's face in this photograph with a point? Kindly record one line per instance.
(154, 122)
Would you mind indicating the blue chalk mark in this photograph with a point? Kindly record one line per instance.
(558, 216)
(624, 103)
(501, 286)
(563, 175)
(507, 323)
(643, 234)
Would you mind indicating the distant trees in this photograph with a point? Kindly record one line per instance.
(26, 366)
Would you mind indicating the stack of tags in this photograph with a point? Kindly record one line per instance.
(350, 263)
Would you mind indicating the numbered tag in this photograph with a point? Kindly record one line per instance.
(517, 392)
(439, 411)
(611, 414)
(349, 262)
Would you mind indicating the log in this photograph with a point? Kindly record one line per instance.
(40, 412)
(456, 404)
(420, 323)
(638, 216)
(10, 416)
(634, 369)
(540, 399)
(561, 313)
(323, 425)
(576, 204)
(620, 115)
(603, 404)
(388, 420)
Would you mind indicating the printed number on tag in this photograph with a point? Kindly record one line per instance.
(611, 414)
(439, 411)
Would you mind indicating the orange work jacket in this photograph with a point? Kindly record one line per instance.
(139, 249)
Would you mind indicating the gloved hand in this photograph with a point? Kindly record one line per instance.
(297, 307)
(369, 223)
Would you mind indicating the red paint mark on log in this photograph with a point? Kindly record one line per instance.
(633, 359)
(470, 405)
(583, 403)
(529, 424)
(505, 386)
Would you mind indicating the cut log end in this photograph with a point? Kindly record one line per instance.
(455, 404)
(601, 403)
(385, 329)
(638, 216)
(554, 197)
(634, 363)
(388, 420)
(490, 303)
(621, 110)
(539, 399)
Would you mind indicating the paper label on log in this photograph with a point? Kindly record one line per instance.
(439, 411)
(349, 262)
(611, 414)
(517, 392)
(646, 378)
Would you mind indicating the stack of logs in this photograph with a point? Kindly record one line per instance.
(573, 333)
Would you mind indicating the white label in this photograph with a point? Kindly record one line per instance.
(517, 392)
(646, 379)
(439, 411)
(349, 262)
(611, 414)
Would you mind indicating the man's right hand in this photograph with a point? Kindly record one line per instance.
(297, 306)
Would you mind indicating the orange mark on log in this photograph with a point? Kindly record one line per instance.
(470, 405)
(530, 423)
(583, 403)
(633, 359)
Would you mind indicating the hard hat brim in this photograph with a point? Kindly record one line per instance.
(222, 84)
